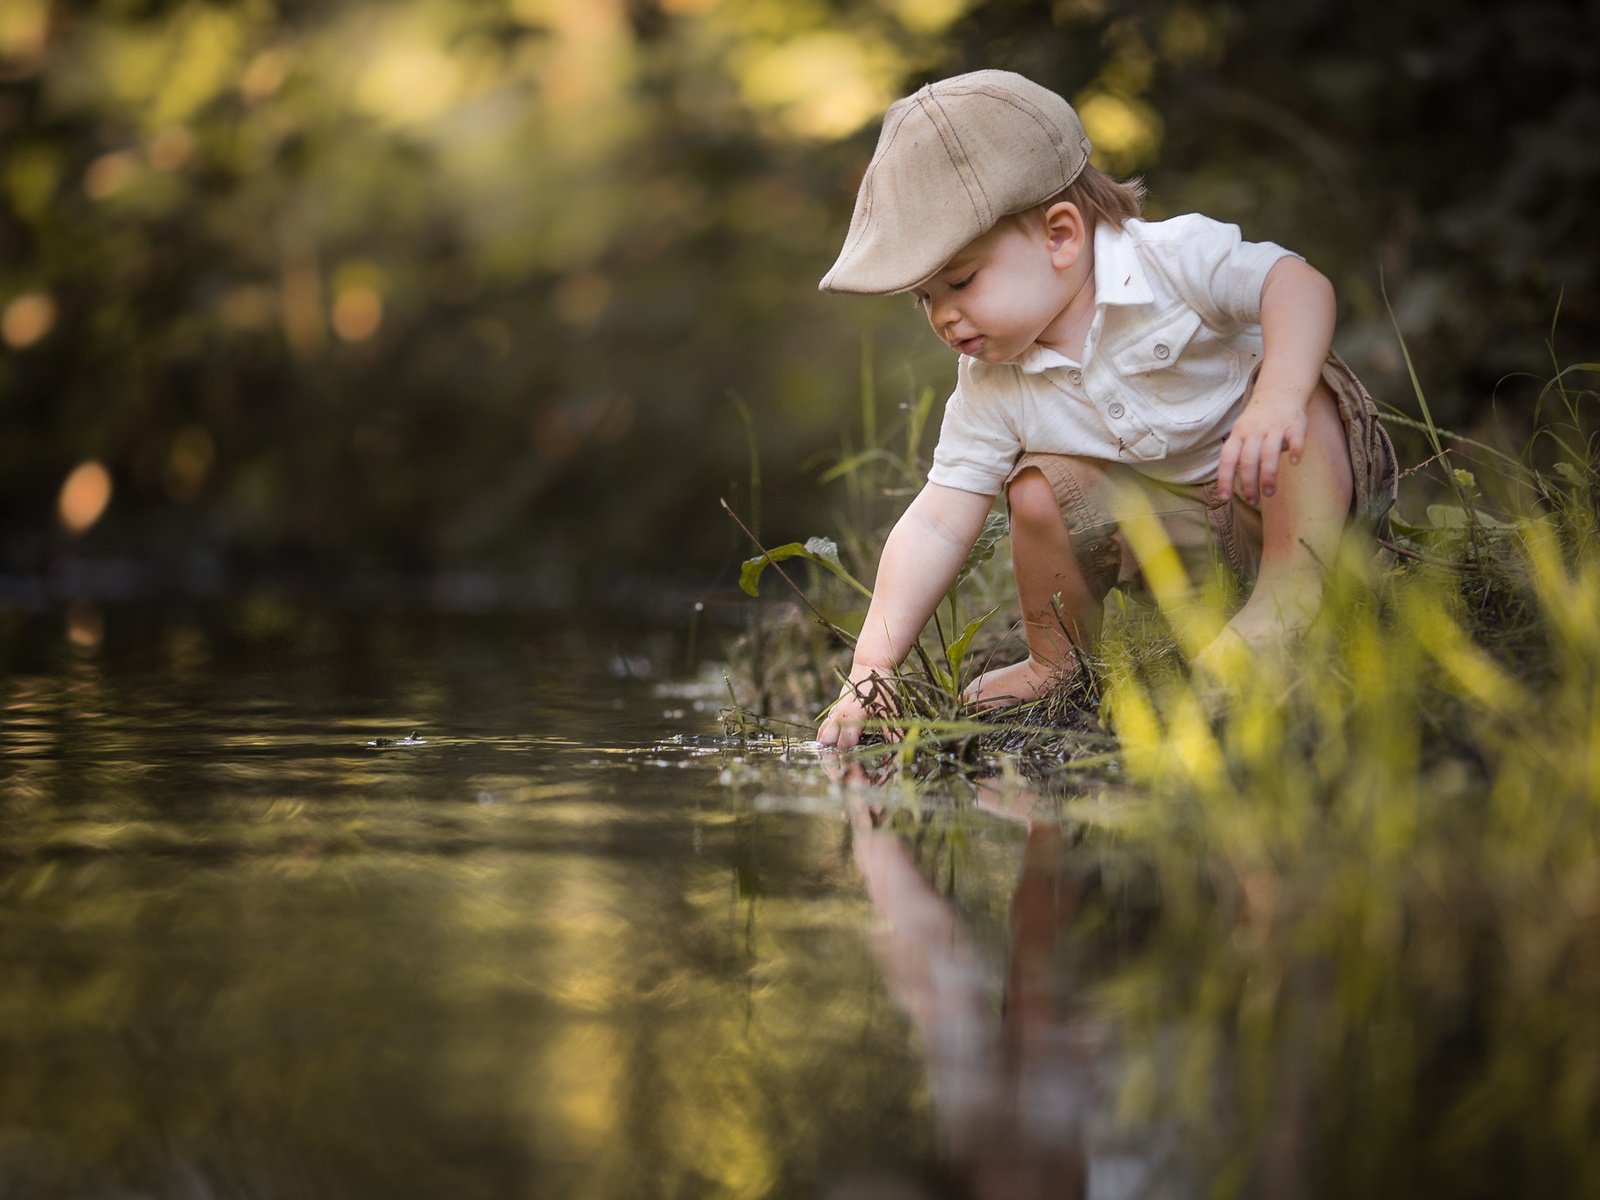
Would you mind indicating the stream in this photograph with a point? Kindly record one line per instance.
(445, 907)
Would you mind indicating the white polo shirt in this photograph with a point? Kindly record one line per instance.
(1175, 335)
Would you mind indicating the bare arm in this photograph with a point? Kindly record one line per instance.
(1297, 311)
(921, 559)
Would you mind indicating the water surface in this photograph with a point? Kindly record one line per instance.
(571, 941)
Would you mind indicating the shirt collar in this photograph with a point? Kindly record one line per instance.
(1118, 279)
(1118, 275)
(1037, 358)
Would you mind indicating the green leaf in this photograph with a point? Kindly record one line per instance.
(1448, 516)
(1452, 516)
(1402, 526)
(956, 651)
(818, 550)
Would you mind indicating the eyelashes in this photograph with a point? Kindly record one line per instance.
(959, 286)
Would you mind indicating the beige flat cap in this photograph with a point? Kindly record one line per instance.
(952, 159)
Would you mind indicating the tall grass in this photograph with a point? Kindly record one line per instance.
(1396, 928)
(1378, 859)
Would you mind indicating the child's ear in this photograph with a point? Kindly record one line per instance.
(1067, 231)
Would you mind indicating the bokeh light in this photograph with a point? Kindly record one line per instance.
(1126, 133)
(171, 148)
(823, 84)
(23, 28)
(264, 75)
(86, 628)
(84, 496)
(930, 16)
(27, 319)
(357, 313)
(110, 174)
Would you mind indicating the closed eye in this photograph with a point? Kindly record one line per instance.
(956, 287)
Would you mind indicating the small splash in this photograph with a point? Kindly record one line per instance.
(683, 750)
(411, 739)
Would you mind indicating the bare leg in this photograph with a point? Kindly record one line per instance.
(1301, 527)
(1058, 608)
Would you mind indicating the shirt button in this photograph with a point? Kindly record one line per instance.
(1161, 350)
(1076, 376)
(1116, 410)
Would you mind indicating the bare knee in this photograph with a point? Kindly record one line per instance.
(1031, 499)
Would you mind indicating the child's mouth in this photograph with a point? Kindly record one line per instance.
(970, 346)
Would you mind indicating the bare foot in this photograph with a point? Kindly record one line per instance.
(1016, 684)
(1259, 637)
(1266, 626)
(1224, 658)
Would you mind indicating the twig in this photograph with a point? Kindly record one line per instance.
(784, 575)
(1423, 558)
(1425, 463)
(738, 711)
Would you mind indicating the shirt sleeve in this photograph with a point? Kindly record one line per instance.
(978, 440)
(1212, 268)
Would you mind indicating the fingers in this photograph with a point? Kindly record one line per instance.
(1250, 468)
(1289, 440)
(1252, 455)
(863, 699)
(1228, 465)
(1254, 463)
(1297, 440)
(842, 727)
(1271, 448)
(839, 732)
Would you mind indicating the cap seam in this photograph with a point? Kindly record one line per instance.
(1039, 119)
(986, 214)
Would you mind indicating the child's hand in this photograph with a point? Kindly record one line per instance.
(1270, 424)
(867, 695)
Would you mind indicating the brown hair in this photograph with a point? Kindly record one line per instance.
(1100, 198)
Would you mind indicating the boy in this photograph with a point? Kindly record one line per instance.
(1105, 361)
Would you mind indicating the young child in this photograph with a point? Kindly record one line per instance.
(1105, 362)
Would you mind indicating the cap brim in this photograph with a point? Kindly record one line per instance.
(865, 270)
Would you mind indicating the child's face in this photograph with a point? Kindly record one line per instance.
(1000, 293)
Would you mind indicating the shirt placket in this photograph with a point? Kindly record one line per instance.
(1115, 410)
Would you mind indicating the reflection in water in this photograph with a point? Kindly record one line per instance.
(569, 942)
(1024, 1086)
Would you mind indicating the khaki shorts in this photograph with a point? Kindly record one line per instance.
(1201, 526)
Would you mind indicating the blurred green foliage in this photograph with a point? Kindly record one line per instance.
(439, 284)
